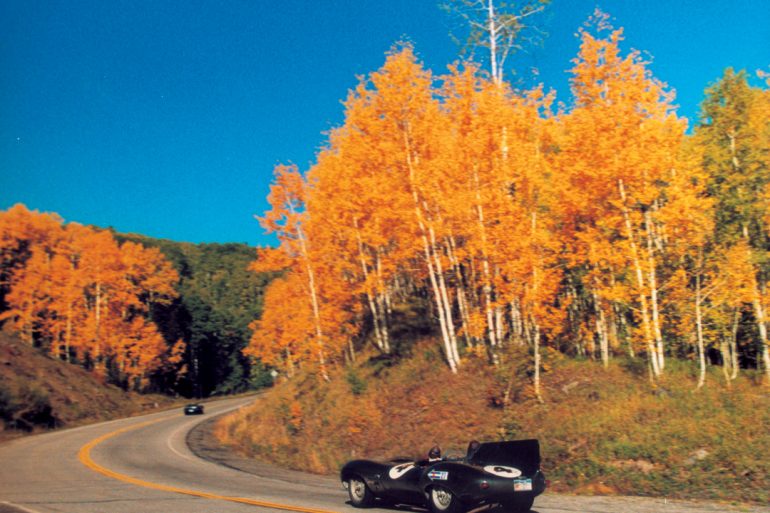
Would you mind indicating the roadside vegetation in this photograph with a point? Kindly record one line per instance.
(600, 431)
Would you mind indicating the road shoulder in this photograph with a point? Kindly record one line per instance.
(203, 444)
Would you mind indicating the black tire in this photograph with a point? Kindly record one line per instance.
(443, 500)
(360, 494)
(519, 505)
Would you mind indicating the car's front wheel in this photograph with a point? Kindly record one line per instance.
(444, 501)
(360, 494)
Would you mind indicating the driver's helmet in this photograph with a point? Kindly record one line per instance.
(434, 453)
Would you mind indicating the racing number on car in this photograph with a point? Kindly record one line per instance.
(502, 471)
(400, 470)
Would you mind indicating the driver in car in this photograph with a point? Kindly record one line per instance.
(434, 455)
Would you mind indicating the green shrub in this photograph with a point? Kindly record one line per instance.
(635, 366)
(27, 409)
(357, 385)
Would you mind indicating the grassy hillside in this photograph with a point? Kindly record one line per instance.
(40, 392)
(602, 431)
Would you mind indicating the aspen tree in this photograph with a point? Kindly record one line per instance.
(622, 141)
(280, 337)
(77, 293)
(407, 120)
(287, 199)
(734, 136)
(483, 186)
(348, 205)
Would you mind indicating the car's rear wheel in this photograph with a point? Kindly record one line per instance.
(444, 501)
(519, 504)
(360, 494)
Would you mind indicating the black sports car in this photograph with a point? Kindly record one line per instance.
(505, 473)
(193, 409)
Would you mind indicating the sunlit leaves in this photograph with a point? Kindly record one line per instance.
(77, 293)
(591, 228)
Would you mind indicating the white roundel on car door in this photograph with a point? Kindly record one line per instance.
(503, 471)
(400, 470)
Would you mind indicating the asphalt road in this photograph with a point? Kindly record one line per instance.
(144, 465)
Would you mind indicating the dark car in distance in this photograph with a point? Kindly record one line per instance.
(505, 473)
(193, 409)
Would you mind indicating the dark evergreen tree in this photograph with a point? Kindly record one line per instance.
(219, 297)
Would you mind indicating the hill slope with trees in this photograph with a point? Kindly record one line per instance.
(144, 314)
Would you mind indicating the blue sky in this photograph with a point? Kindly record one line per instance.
(166, 118)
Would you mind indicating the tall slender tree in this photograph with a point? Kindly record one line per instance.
(734, 135)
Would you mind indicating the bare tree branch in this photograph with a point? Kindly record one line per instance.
(496, 26)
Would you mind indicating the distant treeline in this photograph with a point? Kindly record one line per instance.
(146, 314)
(218, 298)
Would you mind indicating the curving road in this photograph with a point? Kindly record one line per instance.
(143, 465)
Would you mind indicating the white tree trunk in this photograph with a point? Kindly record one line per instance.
(445, 298)
(734, 344)
(462, 297)
(602, 332)
(383, 296)
(536, 349)
(517, 326)
(699, 331)
(499, 325)
(759, 313)
(724, 349)
(444, 321)
(486, 272)
(380, 330)
(653, 284)
(492, 28)
(314, 303)
(651, 350)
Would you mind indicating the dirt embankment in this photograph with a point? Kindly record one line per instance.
(39, 392)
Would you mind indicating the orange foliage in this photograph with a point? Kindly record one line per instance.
(521, 227)
(76, 292)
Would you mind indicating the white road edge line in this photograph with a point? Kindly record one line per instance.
(173, 436)
(19, 506)
(194, 457)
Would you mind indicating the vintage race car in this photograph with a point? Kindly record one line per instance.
(193, 409)
(504, 473)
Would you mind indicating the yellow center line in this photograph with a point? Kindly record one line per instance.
(84, 455)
